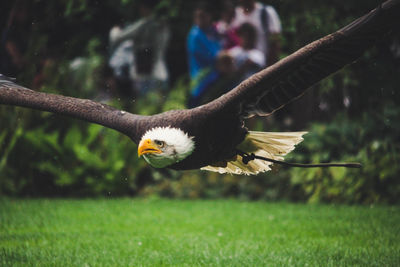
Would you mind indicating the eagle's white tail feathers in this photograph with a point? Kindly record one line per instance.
(271, 145)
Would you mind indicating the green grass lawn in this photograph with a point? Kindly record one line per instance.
(137, 232)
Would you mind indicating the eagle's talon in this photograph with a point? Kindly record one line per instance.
(246, 158)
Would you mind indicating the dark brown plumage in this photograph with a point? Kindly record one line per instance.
(218, 127)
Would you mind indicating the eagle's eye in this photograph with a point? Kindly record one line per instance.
(159, 143)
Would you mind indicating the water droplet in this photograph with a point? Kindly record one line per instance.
(346, 101)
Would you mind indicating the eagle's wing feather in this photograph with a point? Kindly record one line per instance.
(271, 145)
(272, 88)
(84, 109)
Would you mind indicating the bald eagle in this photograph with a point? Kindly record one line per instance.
(213, 136)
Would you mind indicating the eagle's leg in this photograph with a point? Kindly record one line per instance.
(246, 158)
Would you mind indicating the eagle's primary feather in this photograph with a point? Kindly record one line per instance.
(217, 128)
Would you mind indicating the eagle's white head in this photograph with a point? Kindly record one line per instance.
(164, 146)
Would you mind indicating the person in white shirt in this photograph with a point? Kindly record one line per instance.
(267, 23)
(142, 46)
(247, 59)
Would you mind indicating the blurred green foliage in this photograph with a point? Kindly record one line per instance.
(44, 154)
(371, 140)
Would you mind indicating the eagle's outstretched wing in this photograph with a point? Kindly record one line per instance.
(261, 94)
(84, 109)
(272, 88)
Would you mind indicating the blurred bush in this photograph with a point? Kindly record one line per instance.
(351, 116)
(372, 140)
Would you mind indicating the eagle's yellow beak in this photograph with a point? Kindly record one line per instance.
(147, 146)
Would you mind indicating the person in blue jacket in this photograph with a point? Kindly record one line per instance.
(203, 46)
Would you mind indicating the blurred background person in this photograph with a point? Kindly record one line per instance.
(203, 46)
(225, 27)
(236, 64)
(247, 58)
(267, 23)
(147, 39)
(122, 63)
